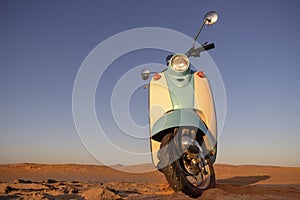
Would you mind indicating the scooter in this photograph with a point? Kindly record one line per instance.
(183, 123)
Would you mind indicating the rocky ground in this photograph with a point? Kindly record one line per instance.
(35, 181)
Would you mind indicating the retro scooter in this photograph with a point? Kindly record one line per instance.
(183, 124)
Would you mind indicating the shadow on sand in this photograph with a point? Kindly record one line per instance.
(243, 180)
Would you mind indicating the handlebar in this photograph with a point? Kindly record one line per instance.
(196, 52)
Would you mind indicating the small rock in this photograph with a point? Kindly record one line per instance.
(214, 193)
(100, 193)
(8, 189)
(22, 181)
(73, 191)
(50, 181)
(74, 181)
(2, 188)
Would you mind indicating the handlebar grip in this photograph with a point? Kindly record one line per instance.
(209, 46)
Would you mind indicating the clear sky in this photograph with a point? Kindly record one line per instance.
(43, 44)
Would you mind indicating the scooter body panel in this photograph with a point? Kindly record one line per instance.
(188, 102)
(159, 99)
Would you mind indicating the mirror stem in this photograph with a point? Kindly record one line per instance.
(200, 29)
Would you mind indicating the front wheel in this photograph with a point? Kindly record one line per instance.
(185, 171)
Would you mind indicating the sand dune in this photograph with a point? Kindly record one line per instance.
(39, 181)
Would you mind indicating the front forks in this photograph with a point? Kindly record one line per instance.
(193, 154)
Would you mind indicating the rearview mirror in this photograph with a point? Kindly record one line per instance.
(145, 74)
(211, 18)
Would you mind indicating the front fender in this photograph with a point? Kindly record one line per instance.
(177, 118)
(180, 118)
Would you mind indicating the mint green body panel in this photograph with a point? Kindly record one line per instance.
(178, 118)
(182, 97)
(181, 92)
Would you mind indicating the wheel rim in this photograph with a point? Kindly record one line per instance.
(193, 171)
(200, 180)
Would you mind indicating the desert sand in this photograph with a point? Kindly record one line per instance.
(71, 181)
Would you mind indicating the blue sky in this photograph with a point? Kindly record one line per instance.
(43, 43)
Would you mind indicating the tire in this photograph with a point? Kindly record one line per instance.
(172, 167)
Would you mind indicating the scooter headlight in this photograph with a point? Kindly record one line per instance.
(179, 62)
